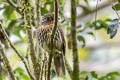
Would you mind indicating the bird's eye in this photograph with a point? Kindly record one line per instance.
(48, 18)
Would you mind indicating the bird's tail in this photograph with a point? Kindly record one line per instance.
(59, 64)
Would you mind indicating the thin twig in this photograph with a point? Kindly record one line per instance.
(6, 62)
(28, 62)
(114, 9)
(14, 6)
(96, 16)
(12, 3)
(69, 69)
(91, 11)
(52, 36)
(75, 74)
(19, 54)
(1, 69)
(96, 11)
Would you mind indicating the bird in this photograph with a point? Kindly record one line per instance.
(113, 27)
(43, 35)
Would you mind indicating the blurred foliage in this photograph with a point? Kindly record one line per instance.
(83, 53)
(84, 75)
(20, 74)
(14, 24)
(117, 6)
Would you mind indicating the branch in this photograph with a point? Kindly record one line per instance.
(52, 36)
(89, 11)
(55, 21)
(14, 6)
(32, 54)
(49, 66)
(1, 65)
(27, 20)
(69, 69)
(37, 13)
(45, 66)
(42, 70)
(6, 62)
(19, 54)
(75, 74)
(11, 3)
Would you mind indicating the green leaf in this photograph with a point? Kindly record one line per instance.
(17, 31)
(53, 73)
(86, 78)
(61, 1)
(19, 70)
(20, 74)
(99, 24)
(119, 1)
(63, 77)
(25, 39)
(48, 7)
(1, 78)
(86, 1)
(13, 16)
(78, 2)
(79, 26)
(81, 38)
(15, 26)
(116, 7)
(44, 11)
(113, 73)
(103, 78)
(25, 77)
(8, 11)
(90, 33)
(108, 20)
(94, 75)
(83, 72)
(43, 2)
(11, 24)
(15, 1)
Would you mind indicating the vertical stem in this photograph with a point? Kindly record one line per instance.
(32, 54)
(0, 65)
(68, 68)
(75, 75)
(42, 70)
(27, 20)
(49, 66)
(45, 67)
(6, 63)
(52, 36)
(37, 13)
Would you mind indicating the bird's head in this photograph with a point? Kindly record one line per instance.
(47, 19)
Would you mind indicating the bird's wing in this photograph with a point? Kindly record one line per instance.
(63, 40)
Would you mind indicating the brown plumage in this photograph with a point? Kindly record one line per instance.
(44, 40)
